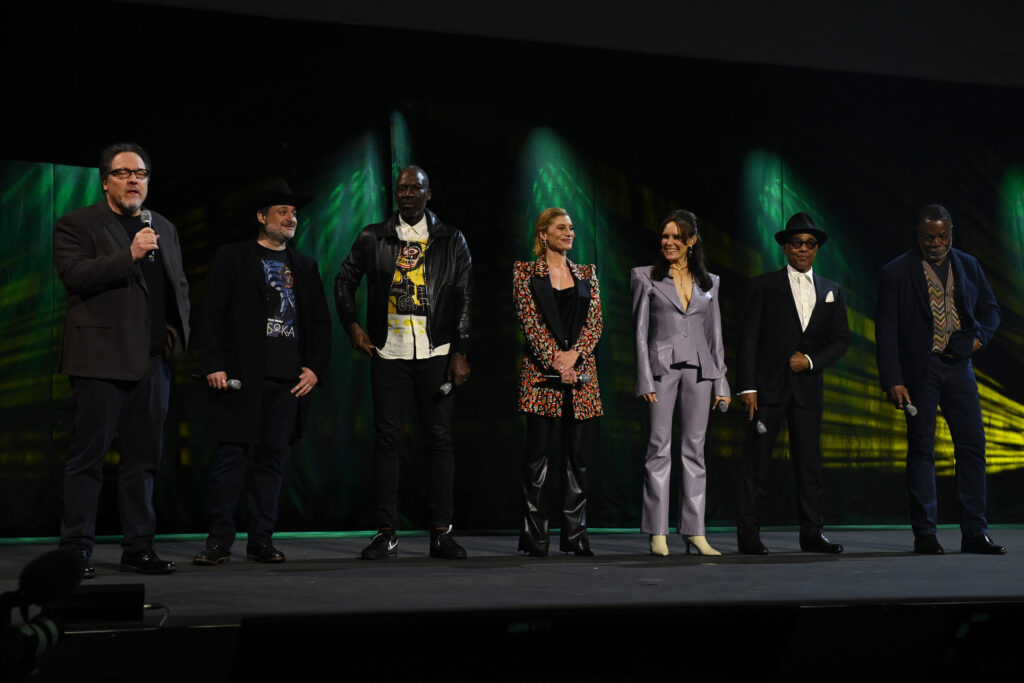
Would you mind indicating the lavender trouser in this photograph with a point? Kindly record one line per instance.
(677, 388)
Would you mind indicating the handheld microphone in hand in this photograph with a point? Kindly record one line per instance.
(909, 409)
(760, 426)
(232, 385)
(445, 388)
(147, 222)
(580, 379)
(722, 407)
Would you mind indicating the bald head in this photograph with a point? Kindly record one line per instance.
(412, 191)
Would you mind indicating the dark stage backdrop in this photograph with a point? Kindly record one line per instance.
(505, 130)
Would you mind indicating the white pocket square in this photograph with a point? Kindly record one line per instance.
(829, 298)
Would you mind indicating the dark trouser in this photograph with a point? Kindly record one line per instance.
(395, 383)
(533, 534)
(278, 412)
(805, 452)
(953, 387)
(134, 412)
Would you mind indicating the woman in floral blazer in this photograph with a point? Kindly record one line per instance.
(559, 307)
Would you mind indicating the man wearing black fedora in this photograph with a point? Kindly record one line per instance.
(266, 345)
(794, 326)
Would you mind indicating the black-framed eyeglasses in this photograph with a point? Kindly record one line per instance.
(125, 173)
(811, 243)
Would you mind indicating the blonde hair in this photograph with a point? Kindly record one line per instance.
(545, 219)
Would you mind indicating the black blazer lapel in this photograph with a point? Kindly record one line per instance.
(915, 272)
(583, 309)
(541, 285)
(254, 265)
(821, 289)
(116, 232)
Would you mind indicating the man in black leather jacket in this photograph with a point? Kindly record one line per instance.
(418, 273)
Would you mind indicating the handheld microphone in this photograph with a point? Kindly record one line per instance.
(147, 222)
(580, 379)
(910, 410)
(722, 407)
(232, 385)
(760, 426)
(445, 388)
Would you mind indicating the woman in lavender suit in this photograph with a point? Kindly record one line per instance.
(680, 365)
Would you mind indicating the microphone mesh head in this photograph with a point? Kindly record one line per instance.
(147, 217)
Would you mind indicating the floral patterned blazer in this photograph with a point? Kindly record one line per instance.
(538, 315)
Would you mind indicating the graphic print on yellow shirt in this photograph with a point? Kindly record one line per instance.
(408, 288)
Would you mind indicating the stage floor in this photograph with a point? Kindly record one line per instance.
(326, 576)
(502, 616)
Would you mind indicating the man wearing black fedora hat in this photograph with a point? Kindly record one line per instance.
(266, 344)
(794, 326)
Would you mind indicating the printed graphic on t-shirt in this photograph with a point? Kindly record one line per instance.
(408, 288)
(280, 322)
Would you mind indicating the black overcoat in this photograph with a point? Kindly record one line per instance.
(234, 336)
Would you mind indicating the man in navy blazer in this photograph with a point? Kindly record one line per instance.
(935, 311)
(794, 326)
(127, 323)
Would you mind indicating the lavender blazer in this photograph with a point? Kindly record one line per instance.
(666, 335)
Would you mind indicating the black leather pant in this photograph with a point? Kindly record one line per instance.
(533, 535)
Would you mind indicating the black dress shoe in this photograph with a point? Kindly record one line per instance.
(85, 566)
(145, 561)
(263, 551)
(927, 544)
(817, 543)
(981, 544)
(751, 546)
(212, 554)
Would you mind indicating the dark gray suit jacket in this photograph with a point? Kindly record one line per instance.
(106, 329)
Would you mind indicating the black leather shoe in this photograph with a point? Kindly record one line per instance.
(262, 551)
(751, 545)
(383, 545)
(579, 548)
(85, 566)
(145, 561)
(212, 554)
(444, 546)
(981, 544)
(927, 544)
(817, 543)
